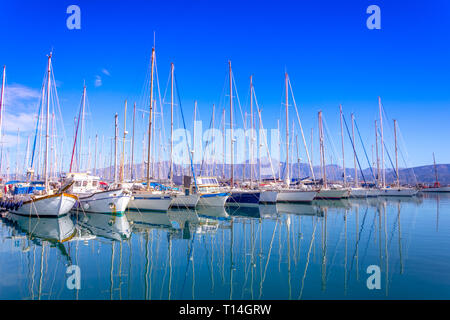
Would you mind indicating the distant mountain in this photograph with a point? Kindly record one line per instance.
(422, 174)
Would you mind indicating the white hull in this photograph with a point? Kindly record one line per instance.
(332, 194)
(373, 192)
(184, 201)
(112, 201)
(293, 195)
(358, 193)
(395, 192)
(110, 226)
(213, 200)
(150, 201)
(54, 229)
(47, 206)
(439, 189)
(268, 196)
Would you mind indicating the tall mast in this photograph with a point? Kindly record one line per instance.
(396, 153)
(287, 129)
(150, 120)
(132, 144)
(342, 140)
(259, 146)
(81, 128)
(223, 143)
(251, 131)
(46, 123)
(115, 146)
(322, 151)
(376, 151)
(231, 126)
(193, 136)
(171, 124)
(435, 171)
(17, 154)
(95, 155)
(122, 161)
(2, 94)
(354, 150)
(383, 180)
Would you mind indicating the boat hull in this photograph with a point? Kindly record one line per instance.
(332, 194)
(213, 199)
(268, 196)
(184, 201)
(150, 202)
(242, 198)
(373, 193)
(111, 201)
(358, 193)
(296, 196)
(47, 206)
(439, 189)
(394, 192)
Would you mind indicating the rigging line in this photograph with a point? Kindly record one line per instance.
(327, 132)
(40, 104)
(237, 97)
(351, 140)
(185, 133)
(206, 144)
(265, 136)
(389, 156)
(301, 130)
(407, 163)
(364, 148)
(357, 242)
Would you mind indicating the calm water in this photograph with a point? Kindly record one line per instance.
(318, 251)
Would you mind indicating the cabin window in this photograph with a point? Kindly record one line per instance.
(94, 183)
(84, 183)
(78, 184)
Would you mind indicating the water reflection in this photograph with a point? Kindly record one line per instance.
(282, 251)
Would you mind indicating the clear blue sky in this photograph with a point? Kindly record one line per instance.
(330, 55)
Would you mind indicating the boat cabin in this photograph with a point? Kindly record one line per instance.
(83, 183)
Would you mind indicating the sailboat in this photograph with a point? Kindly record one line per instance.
(397, 190)
(150, 199)
(50, 202)
(437, 186)
(288, 194)
(91, 196)
(239, 196)
(180, 199)
(327, 192)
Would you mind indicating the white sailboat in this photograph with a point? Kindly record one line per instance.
(328, 192)
(149, 199)
(288, 194)
(51, 203)
(397, 190)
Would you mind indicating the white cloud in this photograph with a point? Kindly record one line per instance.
(98, 81)
(20, 108)
(106, 72)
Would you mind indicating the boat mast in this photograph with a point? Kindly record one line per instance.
(251, 132)
(150, 119)
(435, 171)
(342, 141)
(46, 124)
(171, 124)
(287, 129)
(322, 151)
(223, 143)
(2, 94)
(132, 144)
(231, 126)
(383, 180)
(354, 151)
(376, 151)
(396, 153)
(115, 146)
(95, 155)
(193, 136)
(122, 161)
(81, 128)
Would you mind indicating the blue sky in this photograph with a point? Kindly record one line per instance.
(330, 55)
